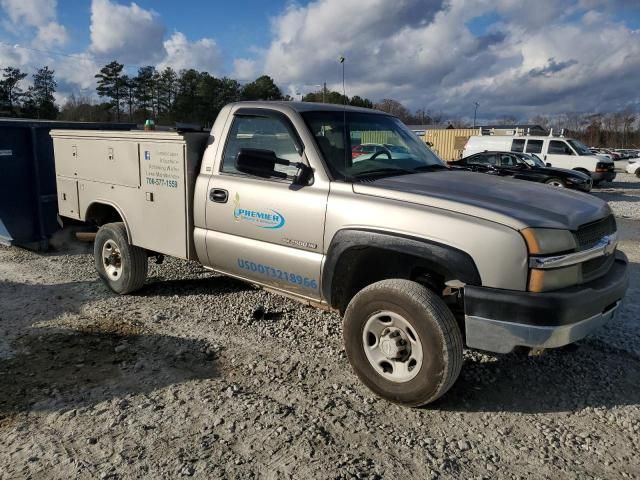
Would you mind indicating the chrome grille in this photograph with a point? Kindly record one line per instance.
(589, 234)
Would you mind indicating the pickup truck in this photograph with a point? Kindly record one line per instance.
(419, 259)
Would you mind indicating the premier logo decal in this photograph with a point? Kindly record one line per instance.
(264, 219)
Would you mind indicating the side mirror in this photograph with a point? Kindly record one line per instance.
(549, 165)
(262, 163)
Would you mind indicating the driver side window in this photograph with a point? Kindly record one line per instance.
(557, 147)
(264, 133)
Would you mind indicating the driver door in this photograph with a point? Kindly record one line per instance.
(267, 230)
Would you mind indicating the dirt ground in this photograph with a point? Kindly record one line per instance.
(201, 376)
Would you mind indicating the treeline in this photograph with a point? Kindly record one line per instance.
(613, 130)
(37, 101)
(190, 96)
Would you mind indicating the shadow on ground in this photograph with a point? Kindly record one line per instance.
(59, 370)
(590, 374)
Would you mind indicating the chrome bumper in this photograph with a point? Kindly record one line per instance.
(501, 337)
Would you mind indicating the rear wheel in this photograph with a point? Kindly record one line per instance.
(638, 172)
(122, 266)
(555, 182)
(403, 342)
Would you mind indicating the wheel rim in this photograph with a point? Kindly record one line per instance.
(392, 346)
(112, 260)
(556, 183)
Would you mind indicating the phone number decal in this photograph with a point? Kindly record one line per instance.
(271, 272)
(161, 182)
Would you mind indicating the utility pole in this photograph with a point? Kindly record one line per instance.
(475, 113)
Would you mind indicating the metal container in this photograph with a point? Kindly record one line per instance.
(28, 198)
(449, 144)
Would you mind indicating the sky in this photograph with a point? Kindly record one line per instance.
(515, 58)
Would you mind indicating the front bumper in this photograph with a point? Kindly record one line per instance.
(499, 320)
(603, 176)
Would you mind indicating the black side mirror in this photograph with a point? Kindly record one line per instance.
(548, 164)
(262, 163)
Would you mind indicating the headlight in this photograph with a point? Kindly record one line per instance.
(542, 241)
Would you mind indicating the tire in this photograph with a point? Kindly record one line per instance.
(124, 270)
(638, 172)
(434, 330)
(555, 182)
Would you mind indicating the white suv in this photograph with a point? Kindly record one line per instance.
(558, 152)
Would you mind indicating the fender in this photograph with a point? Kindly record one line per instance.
(456, 263)
(115, 207)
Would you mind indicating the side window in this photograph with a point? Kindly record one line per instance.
(534, 146)
(264, 133)
(507, 160)
(482, 159)
(557, 147)
(518, 145)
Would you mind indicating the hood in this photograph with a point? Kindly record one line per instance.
(510, 202)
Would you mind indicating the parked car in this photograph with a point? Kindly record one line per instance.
(634, 167)
(555, 151)
(524, 166)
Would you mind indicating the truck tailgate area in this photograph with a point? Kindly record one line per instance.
(148, 177)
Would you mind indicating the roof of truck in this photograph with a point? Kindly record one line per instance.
(308, 106)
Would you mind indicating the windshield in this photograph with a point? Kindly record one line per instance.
(579, 147)
(532, 160)
(370, 145)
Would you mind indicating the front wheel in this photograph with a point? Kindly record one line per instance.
(555, 182)
(403, 342)
(122, 266)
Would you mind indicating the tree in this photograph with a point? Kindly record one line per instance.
(358, 101)
(111, 85)
(12, 93)
(393, 107)
(39, 101)
(262, 88)
(144, 90)
(128, 91)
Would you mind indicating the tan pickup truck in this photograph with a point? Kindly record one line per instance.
(420, 259)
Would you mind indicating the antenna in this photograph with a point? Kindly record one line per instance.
(344, 116)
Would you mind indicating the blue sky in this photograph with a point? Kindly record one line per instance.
(515, 58)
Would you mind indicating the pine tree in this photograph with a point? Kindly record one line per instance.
(143, 90)
(111, 84)
(40, 95)
(12, 92)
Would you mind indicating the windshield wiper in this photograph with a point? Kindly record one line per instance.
(383, 171)
(430, 168)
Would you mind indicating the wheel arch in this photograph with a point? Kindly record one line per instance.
(359, 257)
(101, 212)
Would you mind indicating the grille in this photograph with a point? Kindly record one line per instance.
(596, 267)
(588, 235)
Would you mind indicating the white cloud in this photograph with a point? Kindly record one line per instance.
(203, 54)
(38, 14)
(30, 12)
(540, 57)
(129, 34)
(244, 69)
(78, 70)
(52, 34)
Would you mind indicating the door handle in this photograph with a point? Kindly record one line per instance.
(218, 195)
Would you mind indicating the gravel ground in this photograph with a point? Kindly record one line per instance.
(201, 376)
